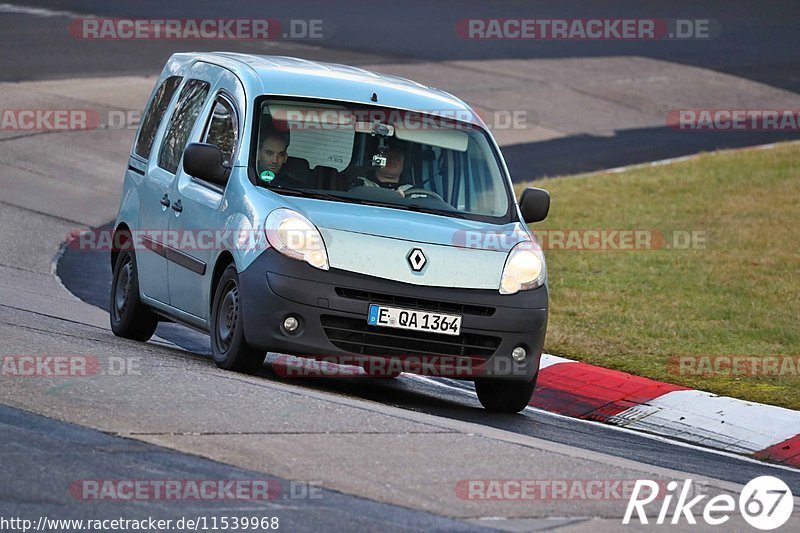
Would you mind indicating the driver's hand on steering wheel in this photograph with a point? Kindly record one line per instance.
(401, 190)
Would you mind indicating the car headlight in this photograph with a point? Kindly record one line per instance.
(293, 235)
(525, 268)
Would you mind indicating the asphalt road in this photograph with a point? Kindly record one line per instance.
(387, 453)
(88, 276)
(756, 45)
(759, 44)
(48, 454)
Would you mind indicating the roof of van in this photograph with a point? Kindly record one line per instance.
(290, 76)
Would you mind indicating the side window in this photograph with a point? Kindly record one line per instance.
(190, 101)
(154, 114)
(223, 128)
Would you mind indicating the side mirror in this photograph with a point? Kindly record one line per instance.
(534, 204)
(204, 161)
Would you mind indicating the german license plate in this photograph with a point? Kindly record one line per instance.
(394, 317)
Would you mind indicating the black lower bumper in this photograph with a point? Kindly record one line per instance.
(332, 308)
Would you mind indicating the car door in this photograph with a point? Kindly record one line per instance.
(202, 202)
(150, 260)
(162, 169)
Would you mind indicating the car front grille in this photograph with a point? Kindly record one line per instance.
(415, 303)
(356, 336)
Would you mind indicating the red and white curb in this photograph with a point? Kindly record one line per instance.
(589, 392)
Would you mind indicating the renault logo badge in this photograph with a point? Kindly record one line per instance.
(416, 260)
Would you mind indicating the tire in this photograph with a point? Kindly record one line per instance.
(228, 345)
(505, 396)
(129, 317)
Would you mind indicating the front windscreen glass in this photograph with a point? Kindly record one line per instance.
(379, 156)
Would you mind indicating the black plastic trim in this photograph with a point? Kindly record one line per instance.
(137, 170)
(274, 287)
(176, 256)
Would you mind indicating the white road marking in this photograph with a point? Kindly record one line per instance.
(38, 11)
(550, 360)
(718, 421)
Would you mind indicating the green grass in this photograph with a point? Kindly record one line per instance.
(738, 295)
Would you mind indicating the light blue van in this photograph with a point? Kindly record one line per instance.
(319, 210)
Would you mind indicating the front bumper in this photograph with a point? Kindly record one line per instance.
(332, 308)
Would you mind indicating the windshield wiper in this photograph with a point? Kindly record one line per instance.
(305, 193)
(412, 207)
(434, 211)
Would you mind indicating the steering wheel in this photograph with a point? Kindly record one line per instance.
(420, 190)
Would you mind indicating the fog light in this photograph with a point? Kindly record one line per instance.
(519, 354)
(290, 324)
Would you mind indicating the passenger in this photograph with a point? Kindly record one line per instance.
(271, 160)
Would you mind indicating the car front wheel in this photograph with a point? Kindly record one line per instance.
(228, 345)
(130, 318)
(506, 396)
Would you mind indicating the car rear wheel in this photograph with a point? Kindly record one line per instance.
(503, 395)
(129, 317)
(228, 345)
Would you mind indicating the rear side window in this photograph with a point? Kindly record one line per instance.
(223, 128)
(190, 102)
(154, 114)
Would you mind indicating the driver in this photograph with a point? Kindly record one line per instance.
(387, 176)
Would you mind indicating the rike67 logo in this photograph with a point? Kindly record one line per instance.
(765, 503)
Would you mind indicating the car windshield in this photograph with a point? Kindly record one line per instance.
(381, 157)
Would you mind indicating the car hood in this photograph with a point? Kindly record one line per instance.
(423, 228)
